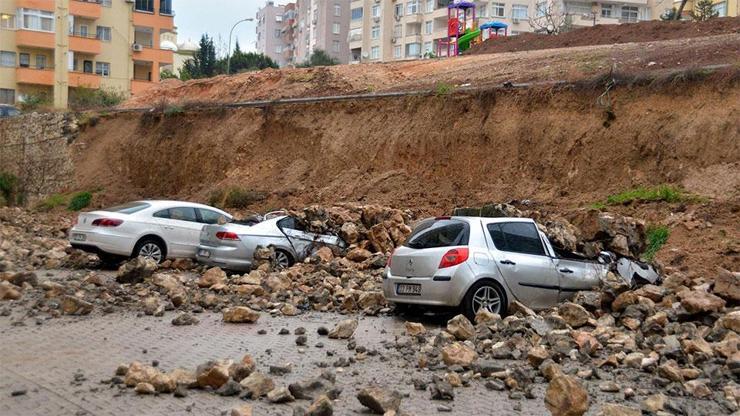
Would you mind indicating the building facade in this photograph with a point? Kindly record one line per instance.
(52, 47)
(322, 25)
(270, 41)
(723, 8)
(390, 30)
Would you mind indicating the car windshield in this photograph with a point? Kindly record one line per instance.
(129, 208)
(439, 233)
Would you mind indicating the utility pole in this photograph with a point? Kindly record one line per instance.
(61, 54)
(231, 33)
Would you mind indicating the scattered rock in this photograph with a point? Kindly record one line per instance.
(379, 400)
(565, 396)
(461, 328)
(459, 354)
(136, 270)
(344, 329)
(240, 314)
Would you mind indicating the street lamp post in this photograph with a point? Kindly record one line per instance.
(228, 61)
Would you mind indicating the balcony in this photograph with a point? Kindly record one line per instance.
(89, 9)
(85, 44)
(154, 55)
(84, 79)
(34, 76)
(34, 39)
(47, 5)
(149, 19)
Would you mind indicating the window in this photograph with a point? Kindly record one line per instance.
(375, 52)
(720, 9)
(7, 21)
(291, 224)
(7, 96)
(517, 237)
(7, 59)
(442, 233)
(412, 7)
(165, 7)
(211, 217)
(336, 28)
(36, 20)
(606, 11)
(428, 27)
(482, 9)
(337, 10)
(336, 46)
(24, 60)
(497, 9)
(397, 52)
(104, 33)
(398, 10)
(519, 11)
(355, 34)
(629, 14)
(178, 214)
(106, 3)
(541, 9)
(413, 50)
(397, 31)
(276, 33)
(376, 10)
(279, 49)
(41, 61)
(357, 13)
(375, 32)
(83, 31)
(144, 6)
(102, 68)
(430, 5)
(578, 8)
(129, 208)
(278, 18)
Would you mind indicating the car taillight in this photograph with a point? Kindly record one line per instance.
(454, 257)
(226, 235)
(107, 222)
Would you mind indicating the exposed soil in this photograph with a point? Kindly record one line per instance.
(542, 66)
(650, 31)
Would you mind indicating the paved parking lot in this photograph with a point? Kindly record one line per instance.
(44, 360)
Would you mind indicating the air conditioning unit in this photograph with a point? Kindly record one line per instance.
(137, 47)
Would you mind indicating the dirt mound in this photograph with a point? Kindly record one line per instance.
(429, 74)
(650, 31)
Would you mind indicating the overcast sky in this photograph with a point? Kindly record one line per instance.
(216, 17)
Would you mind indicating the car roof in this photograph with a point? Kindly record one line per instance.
(486, 219)
(161, 203)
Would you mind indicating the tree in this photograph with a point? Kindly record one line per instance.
(704, 10)
(203, 64)
(669, 14)
(241, 61)
(319, 58)
(679, 12)
(549, 18)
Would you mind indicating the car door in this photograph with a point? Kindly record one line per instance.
(576, 275)
(521, 257)
(181, 230)
(299, 239)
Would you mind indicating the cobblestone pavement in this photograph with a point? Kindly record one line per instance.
(45, 358)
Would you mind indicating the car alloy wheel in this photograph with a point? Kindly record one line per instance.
(151, 251)
(282, 260)
(487, 298)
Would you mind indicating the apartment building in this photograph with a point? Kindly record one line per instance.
(723, 8)
(388, 30)
(324, 25)
(270, 40)
(54, 46)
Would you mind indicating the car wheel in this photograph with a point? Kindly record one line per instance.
(150, 249)
(485, 294)
(283, 260)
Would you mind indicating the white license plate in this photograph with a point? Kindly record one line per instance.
(204, 253)
(408, 289)
(79, 237)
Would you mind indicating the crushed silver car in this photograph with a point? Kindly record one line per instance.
(485, 263)
(231, 246)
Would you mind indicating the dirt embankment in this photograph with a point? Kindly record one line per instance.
(650, 31)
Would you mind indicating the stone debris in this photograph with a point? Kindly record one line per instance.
(240, 314)
(136, 270)
(378, 400)
(344, 329)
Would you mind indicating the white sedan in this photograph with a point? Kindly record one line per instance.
(152, 229)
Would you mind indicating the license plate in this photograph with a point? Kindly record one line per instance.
(204, 253)
(408, 289)
(79, 237)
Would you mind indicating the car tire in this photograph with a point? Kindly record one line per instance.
(149, 247)
(283, 259)
(484, 292)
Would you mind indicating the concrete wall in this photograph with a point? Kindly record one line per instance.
(36, 148)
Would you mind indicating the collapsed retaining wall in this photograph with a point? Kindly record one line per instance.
(36, 149)
(427, 151)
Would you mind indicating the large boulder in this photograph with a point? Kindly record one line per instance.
(460, 354)
(257, 385)
(75, 306)
(565, 396)
(9, 291)
(699, 301)
(212, 276)
(240, 314)
(727, 285)
(461, 328)
(574, 315)
(344, 329)
(213, 374)
(136, 270)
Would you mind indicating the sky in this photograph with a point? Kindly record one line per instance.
(216, 17)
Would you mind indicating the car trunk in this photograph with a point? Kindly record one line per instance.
(85, 219)
(209, 234)
(410, 262)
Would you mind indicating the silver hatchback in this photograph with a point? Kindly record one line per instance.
(475, 263)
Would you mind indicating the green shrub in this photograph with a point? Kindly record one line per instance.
(79, 201)
(173, 110)
(34, 101)
(8, 187)
(88, 98)
(443, 89)
(656, 237)
(665, 193)
(235, 197)
(51, 202)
